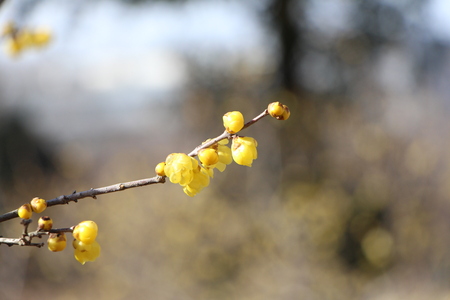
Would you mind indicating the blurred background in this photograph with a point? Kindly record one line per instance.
(348, 199)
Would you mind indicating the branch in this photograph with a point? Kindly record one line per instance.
(27, 237)
(65, 199)
(92, 193)
(226, 134)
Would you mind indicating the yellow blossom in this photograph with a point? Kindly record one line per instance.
(244, 150)
(180, 168)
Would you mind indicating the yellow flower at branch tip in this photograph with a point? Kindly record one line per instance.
(86, 252)
(38, 204)
(159, 169)
(208, 157)
(233, 121)
(200, 181)
(45, 223)
(279, 111)
(244, 151)
(180, 168)
(56, 242)
(86, 232)
(225, 157)
(25, 211)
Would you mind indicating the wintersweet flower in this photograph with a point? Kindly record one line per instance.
(86, 252)
(244, 151)
(224, 153)
(233, 121)
(200, 181)
(180, 168)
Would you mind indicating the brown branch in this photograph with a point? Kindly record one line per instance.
(92, 193)
(26, 238)
(226, 134)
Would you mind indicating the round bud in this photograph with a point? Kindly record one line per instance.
(25, 211)
(233, 121)
(56, 242)
(86, 232)
(38, 204)
(45, 223)
(159, 169)
(208, 157)
(286, 113)
(278, 111)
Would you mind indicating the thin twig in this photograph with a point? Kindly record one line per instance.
(226, 134)
(65, 199)
(26, 238)
(92, 193)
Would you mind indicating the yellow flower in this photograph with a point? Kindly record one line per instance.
(86, 232)
(86, 252)
(13, 47)
(41, 37)
(225, 157)
(180, 168)
(233, 121)
(201, 180)
(244, 151)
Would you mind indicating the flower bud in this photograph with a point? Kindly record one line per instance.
(86, 232)
(208, 157)
(159, 169)
(279, 111)
(25, 211)
(38, 204)
(233, 121)
(56, 242)
(45, 223)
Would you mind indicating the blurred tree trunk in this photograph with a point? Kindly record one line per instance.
(286, 16)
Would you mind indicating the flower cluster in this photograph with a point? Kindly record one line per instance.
(18, 40)
(85, 244)
(192, 172)
(194, 175)
(85, 233)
